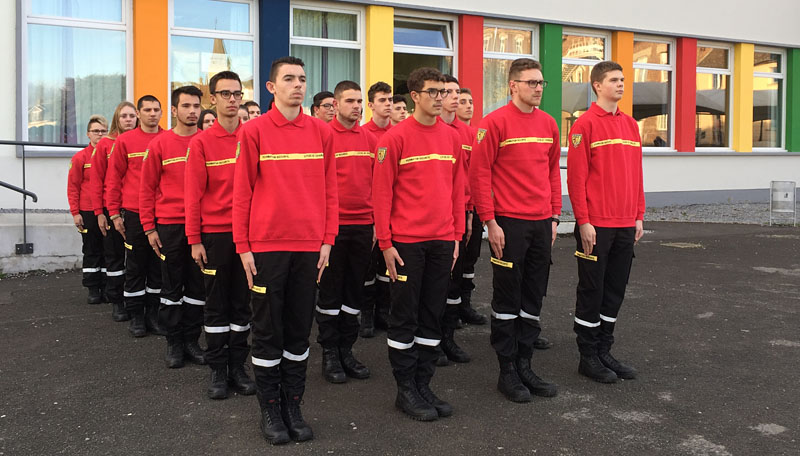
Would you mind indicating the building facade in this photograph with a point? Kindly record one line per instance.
(714, 86)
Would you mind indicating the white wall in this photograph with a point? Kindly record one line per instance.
(772, 22)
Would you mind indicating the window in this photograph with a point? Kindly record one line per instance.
(768, 101)
(712, 115)
(329, 42)
(652, 91)
(420, 43)
(502, 44)
(209, 36)
(75, 64)
(580, 51)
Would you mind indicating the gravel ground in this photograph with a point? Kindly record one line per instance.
(745, 213)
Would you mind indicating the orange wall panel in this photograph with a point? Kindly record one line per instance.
(622, 53)
(151, 52)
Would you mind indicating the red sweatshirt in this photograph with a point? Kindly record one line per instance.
(418, 184)
(354, 150)
(161, 188)
(604, 169)
(99, 167)
(467, 138)
(125, 170)
(208, 183)
(514, 170)
(375, 129)
(284, 187)
(78, 181)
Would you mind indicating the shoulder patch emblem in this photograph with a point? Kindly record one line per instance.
(481, 134)
(576, 139)
(381, 154)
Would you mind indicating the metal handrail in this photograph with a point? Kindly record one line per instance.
(4, 142)
(20, 190)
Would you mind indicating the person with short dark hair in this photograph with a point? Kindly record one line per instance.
(399, 109)
(209, 231)
(418, 195)
(253, 109)
(142, 266)
(465, 106)
(375, 310)
(80, 206)
(342, 285)
(207, 118)
(161, 211)
(124, 119)
(285, 220)
(515, 183)
(244, 116)
(322, 106)
(605, 181)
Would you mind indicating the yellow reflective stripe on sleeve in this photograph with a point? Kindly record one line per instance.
(531, 139)
(229, 161)
(429, 157)
(137, 154)
(585, 256)
(127, 246)
(505, 264)
(355, 153)
(87, 165)
(607, 142)
(271, 157)
(170, 161)
(211, 272)
(260, 290)
(466, 147)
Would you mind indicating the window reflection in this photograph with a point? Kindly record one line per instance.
(98, 10)
(767, 112)
(323, 24)
(325, 67)
(212, 15)
(711, 119)
(651, 106)
(576, 96)
(708, 57)
(582, 47)
(507, 40)
(421, 34)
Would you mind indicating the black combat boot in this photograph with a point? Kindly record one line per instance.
(137, 326)
(510, 384)
(332, 369)
(410, 402)
(174, 357)
(240, 381)
(592, 367)
(541, 343)
(532, 381)
(351, 366)
(118, 312)
(441, 358)
(193, 352)
(299, 430)
(272, 426)
(151, 320)
(95, 296)
(452, 350)
(367, 329)
(622, 370)
(218, 388)
(467, 314)
(443, 409)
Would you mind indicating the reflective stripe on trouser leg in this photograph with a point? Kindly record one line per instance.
(93, 261)
(535, 275)
(471, 255)
(589, 292)
(173, 267)
(618, 268)
(136, 263)
(114, 254)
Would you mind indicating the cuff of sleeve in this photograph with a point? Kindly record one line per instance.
(113, 212)
(329, 238)
(486, 216)
(74, 213)
(581, 220)
(384, 244)
(149, 226)
(98, 211)
(640, 216)
(243, 247)
(193, 239)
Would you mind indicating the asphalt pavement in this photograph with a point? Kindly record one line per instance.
(711, 320)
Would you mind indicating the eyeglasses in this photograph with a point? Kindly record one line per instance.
(98, 132)
(533, 83)
(226, 94)
(326, 105)
(434, 92)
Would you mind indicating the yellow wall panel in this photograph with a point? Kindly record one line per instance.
(743, 97)
(379, 49)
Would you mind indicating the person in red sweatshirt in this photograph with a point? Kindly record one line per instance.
(465, 109)
(80, 206)
(375, 309)
(399, 109)
(342, 285)
(123, 179)
(161, 211)
(285, 220)
(604, 177)
(124, 119)
(418, 195)
(515, 184)
(208, 197)
(457, 308)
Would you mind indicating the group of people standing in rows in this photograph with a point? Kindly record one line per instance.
(263, 226)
